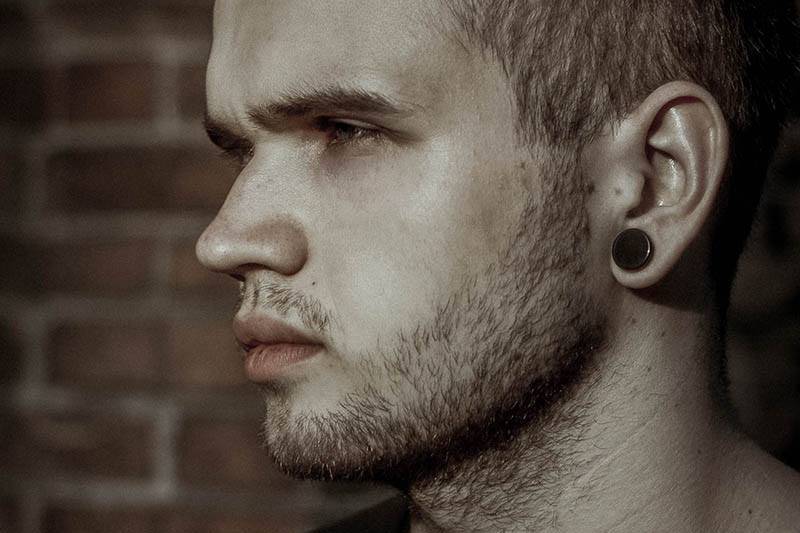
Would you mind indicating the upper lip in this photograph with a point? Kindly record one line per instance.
(252, 330)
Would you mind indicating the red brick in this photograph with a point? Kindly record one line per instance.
(156, 177)
(226, 454)
(66, 520)
(62, 519)
(185, 19)
(22, 97)
(192, 91)
(204, 354)
(100, 267)
(43, 445)
(168, 18)
(19, 267)
(89, 18)
(11, 181)
(112, 91)
(201, 179)
(95, 267)
(12, 353)
(106, 355)
(221, 523)
(9, 516)
(17, 26)
(187, 275)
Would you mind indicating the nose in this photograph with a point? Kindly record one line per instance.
(250, 233)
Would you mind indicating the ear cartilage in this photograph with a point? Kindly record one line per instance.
(632, 249)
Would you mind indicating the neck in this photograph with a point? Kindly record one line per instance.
(636, 446)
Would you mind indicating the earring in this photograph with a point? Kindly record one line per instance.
(632, 249)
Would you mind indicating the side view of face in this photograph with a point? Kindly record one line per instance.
(386, 212)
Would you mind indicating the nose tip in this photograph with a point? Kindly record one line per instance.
(212, 252)
(278, 245)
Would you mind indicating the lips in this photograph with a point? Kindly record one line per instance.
(271, 346)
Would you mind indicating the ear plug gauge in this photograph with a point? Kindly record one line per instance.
(632, 249)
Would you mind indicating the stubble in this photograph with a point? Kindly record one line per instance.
(498, 358)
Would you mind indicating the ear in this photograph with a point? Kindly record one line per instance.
(669, 158)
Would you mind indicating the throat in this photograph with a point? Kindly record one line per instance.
(516, 481)
(634, 442)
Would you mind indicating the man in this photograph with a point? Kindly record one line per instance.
(485, 250)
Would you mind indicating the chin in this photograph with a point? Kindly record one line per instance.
(334, 435)
(313, 447)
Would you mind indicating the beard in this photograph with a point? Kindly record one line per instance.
(496, 357)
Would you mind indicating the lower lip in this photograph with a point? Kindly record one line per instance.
(265, 362)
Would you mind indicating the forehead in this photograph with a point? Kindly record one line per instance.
(268, 48)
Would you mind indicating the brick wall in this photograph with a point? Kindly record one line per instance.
(122, 404)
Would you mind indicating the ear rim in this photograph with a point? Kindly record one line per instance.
(668, 247)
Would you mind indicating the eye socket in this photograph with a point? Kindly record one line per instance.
(342, 132)
(240, 155)
(339, 133)
(232, 146)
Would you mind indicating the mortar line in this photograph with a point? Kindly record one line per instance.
(32, 510)
(165, 449)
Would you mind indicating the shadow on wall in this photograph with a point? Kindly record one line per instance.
(764, 336)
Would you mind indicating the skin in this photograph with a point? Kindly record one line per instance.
(482, 351)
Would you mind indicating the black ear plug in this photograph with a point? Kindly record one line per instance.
(632, 249)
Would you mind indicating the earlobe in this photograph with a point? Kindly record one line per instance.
(677, 157)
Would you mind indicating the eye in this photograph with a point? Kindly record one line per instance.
(232, 146)
(239, 154)
(346, 131)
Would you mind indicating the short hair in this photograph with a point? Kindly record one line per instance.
(577, 65)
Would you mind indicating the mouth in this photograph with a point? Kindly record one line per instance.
(266, 362)
(272, 347)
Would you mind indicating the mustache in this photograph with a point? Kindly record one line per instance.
(282, 300)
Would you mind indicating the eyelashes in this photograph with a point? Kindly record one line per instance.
(231, 147)
(240, 156)
(344, 131)
(339, 134)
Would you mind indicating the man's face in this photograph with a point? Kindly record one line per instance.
(387, 210)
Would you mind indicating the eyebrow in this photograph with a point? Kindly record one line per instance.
(332, 101)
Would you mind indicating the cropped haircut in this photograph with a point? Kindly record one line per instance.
(578, 66)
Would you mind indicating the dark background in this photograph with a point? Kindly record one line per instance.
(122, 401)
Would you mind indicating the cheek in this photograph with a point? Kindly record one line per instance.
(386, 249)
(406, 236)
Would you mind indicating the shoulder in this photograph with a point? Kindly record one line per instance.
(766, 493)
